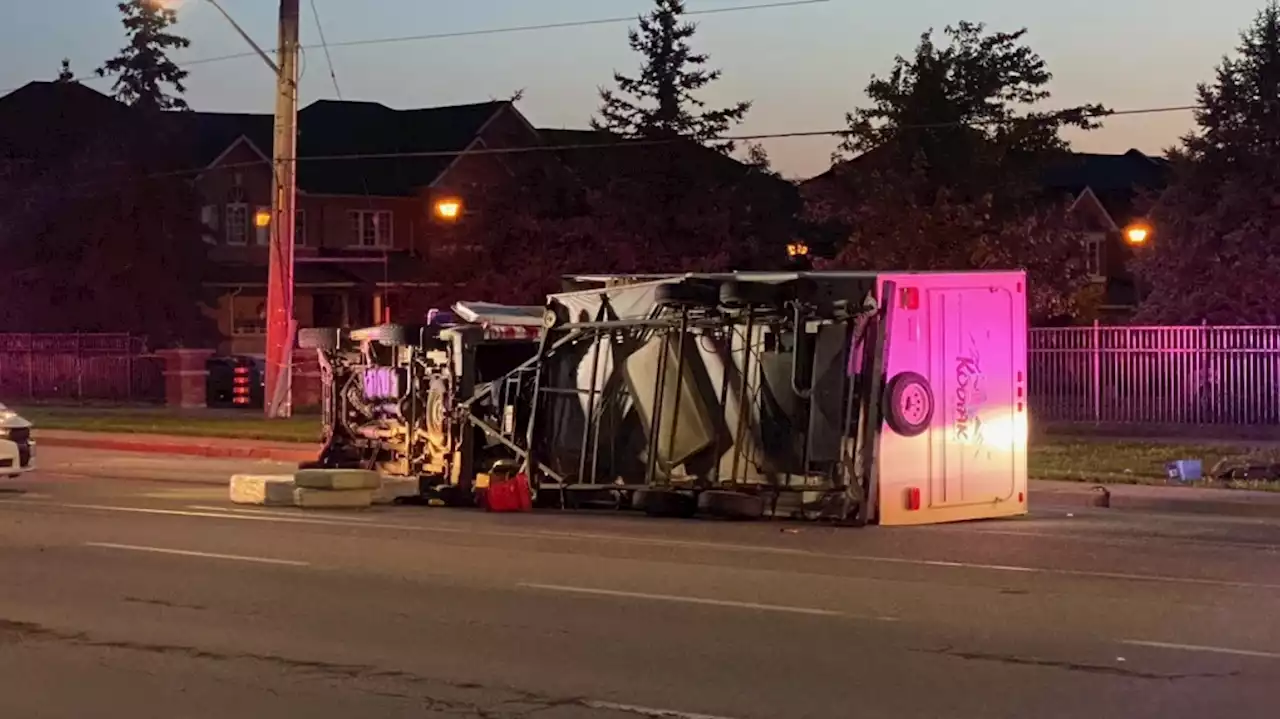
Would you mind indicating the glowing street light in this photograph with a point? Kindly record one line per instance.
(262, 218)
(797, 249)
(449, 209)
(1137, 234)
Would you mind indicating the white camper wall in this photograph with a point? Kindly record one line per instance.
(966, 334)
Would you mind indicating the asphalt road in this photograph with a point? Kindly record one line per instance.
(133, 589)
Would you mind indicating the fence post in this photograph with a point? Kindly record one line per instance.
(128, 368)
(79, 369)
(31, 367)
(1097, 371)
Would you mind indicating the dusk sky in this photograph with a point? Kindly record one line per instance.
(802, 66)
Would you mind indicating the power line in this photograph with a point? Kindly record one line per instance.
(325, 44)
(487, 31)
(622, 142)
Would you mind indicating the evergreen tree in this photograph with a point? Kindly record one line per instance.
(143, 68)
(1215, 250)
(942, 170)
(64, 73)
(661, 101)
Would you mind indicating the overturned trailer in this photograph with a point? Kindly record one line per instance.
(896, 398)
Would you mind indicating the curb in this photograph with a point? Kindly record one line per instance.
(303, 453)
(1238, 505)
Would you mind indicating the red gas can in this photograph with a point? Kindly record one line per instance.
(509, 494)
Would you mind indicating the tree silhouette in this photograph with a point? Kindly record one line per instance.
(942, 169)
(143, 69)
(661, 102)
(1215, 250)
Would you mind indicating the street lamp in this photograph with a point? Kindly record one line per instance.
(1137, 234)
(449, 208)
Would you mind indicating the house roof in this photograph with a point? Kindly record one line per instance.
(44, 120)
(331, 128)
(1128, 172)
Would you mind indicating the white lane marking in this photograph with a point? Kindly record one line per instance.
(278, 513)
(727, 547)
(188, 553)
(689, 600)
(1199, 648)
(647, 711)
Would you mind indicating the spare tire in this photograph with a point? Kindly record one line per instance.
(750, 294)
(686, 294)
(664, 502)
(319, 338)
(731, 505)
(389, 335)
(908, 404)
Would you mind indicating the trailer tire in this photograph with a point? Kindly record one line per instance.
(908, 404)
(554, 316)
(686, 294)
(324, 339)
(664, 503)
(731, 505)
(749, 294)
(389, 335)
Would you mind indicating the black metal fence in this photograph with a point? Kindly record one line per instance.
(1198, 375)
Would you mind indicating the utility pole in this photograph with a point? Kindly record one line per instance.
(281, 326)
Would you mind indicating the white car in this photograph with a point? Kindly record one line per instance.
(17, 450)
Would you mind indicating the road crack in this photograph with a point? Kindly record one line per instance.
(1124, 672)
(511, 703)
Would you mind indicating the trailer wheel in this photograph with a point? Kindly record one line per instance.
(687, 294)
(664, 503)
(554, 316)
(909, 404)
(318, 338)
(748, 294)
(731, 505)
(389, 335)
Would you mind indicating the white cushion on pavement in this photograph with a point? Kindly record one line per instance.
(332, 499)
(394, 488)
(262, 489)
(340, 479)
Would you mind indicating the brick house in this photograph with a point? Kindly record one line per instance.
(367, 228)
(1107, 194)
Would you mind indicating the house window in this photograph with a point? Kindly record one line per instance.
(248, 315)
(209, 224)
(1095, 247)
(370, 228)
(261, 232)
(237, 223)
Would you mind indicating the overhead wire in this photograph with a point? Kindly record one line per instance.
(481, 32)
(337, 90)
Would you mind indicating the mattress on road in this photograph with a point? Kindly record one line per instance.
(394, 488)
(262, 489)
(333, 498)
(337, 479)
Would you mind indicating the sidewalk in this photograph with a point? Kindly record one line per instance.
(1167, 499)
(211, 447)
